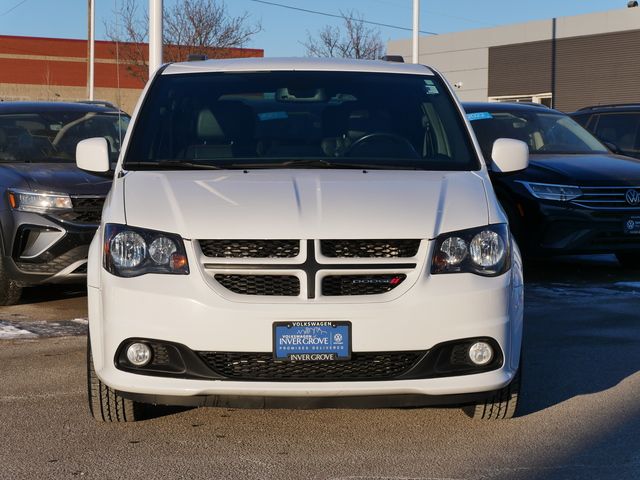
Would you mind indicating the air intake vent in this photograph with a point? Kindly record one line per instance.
(250, 248)
(369, 248)
(270, 285)
(262, 366)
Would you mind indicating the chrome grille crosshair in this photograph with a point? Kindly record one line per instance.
(310, 267)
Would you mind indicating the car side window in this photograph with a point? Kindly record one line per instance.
(621, 129)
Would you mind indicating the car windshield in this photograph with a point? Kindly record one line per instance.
(300, 120)
(545, 132)
(53, 136)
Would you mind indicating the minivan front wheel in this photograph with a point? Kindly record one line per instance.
(629, 259)
(105, 404)
(501, 404)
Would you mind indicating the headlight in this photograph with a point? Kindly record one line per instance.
(560, 193)
(484, 251)
(38, 202)
(131, 251)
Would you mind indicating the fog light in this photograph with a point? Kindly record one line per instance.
(139, 354)
(480, 353)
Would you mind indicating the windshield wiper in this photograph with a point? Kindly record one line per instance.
(320, 163)
(170, 165)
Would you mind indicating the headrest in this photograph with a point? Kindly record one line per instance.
(208, 127)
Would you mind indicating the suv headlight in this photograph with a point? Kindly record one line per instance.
(560, 193)
(131, 251)
(484, 251)
(37, 202)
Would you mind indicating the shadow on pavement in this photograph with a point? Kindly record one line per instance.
(582, 329)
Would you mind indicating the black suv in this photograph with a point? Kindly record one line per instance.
(49, 209)
(575, 196)
(618, 126)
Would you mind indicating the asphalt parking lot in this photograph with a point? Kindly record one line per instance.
(579, 417)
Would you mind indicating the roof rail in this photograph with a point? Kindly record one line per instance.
(393, 58)
(103, 103)
(612, 105)
(196, 57)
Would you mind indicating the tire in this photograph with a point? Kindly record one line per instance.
(105, 404)
(10, 291)
(629, 259)
(501, 404)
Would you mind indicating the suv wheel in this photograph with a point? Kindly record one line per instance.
(105, 404)
(629, 259)
(501, 404)
(10, 291)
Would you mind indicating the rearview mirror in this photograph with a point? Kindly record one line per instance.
(92, 155)
(509, 155)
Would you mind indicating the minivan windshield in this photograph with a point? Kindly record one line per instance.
(299, 119)
(52, 136)
(545, 132)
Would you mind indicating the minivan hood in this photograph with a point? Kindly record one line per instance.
(59, 178)
(305, 204)
(585, 170)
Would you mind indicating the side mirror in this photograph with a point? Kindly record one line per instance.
(92, 155)
(613, 147)
(509, 155)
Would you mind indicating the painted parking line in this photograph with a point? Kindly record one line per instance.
(12, 329)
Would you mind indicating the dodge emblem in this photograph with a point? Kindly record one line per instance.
(632, 197)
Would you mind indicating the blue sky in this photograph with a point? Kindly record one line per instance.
(284, 30)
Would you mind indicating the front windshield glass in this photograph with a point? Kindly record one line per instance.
(300, 120)
(545, 132)
(53, 136)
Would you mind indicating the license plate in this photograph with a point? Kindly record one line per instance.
(632, 226)
(312, 341)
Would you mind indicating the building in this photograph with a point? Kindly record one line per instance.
(567, 62)
(34, 68)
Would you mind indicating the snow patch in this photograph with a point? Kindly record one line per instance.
(8, 331)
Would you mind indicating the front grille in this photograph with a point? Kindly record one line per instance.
(369, 248)
(336, 285)
(270, 285)
(606, 198)
(262, 366)
(250, 248)
(85, 210)
(52, 265)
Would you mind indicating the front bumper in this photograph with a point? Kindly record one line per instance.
(42, 249)
(185, 310)
(550, 228)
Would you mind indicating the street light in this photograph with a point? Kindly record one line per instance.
(416, 30)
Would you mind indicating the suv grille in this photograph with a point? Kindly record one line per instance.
(369, 248)
(262, 366)
(606, 198)
(270, 285)
(85, 210)
(250, 248)
(336, 285)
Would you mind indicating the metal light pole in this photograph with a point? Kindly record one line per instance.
(92, 47)
(416, 30)
(155, 35)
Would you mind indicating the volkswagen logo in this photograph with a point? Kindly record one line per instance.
(632, 197)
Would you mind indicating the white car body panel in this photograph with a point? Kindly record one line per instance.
(305, 204)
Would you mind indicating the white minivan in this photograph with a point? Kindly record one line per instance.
(302, 230)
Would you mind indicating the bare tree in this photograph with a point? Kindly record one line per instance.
(354, 39)
(190, 26)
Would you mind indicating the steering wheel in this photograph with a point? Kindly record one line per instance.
(557, 147)
(397, 139)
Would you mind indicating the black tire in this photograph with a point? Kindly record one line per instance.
(105, 404)
(10, 291)
(501, 404)
(629, 259)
